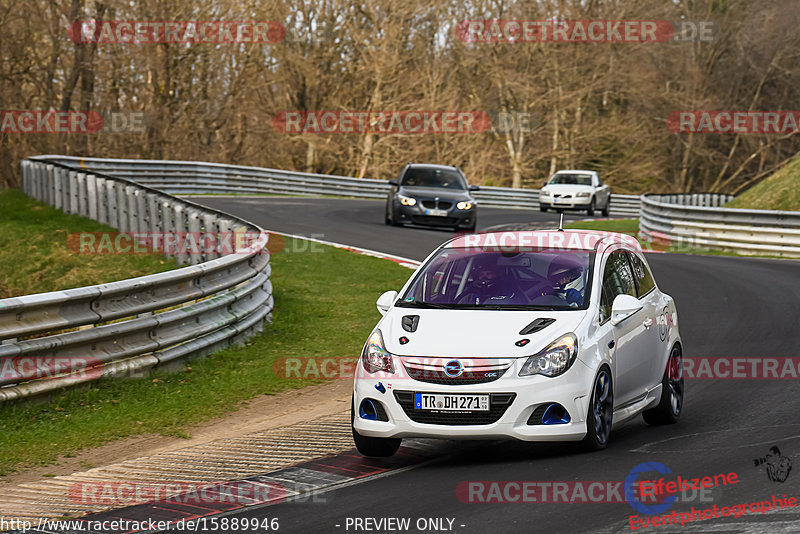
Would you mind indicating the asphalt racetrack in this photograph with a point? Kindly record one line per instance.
(728, 307)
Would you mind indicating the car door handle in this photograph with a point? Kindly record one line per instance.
(648, 323)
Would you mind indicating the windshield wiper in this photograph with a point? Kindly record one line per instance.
(514, 307)
(420, 304)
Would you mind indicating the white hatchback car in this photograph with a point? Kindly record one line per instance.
(575, 190)
(538, 336)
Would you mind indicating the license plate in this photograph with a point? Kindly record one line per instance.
(563, 201)
(451, 403)
(436, 213)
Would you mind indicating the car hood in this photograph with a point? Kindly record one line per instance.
(433, 192)
(566, 188)
(473, 333)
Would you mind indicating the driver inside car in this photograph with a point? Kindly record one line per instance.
(490, 283)
(565, 275)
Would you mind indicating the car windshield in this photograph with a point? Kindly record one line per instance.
(572, 179)
(458, 278)
(422, 177)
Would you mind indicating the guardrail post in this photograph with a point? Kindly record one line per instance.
(35, 182)
(180, 234)
(38, 183)
(31, 189)
(83, 208)
(154, 223)
(45, 185)
(197, 254)
(211, 227)
(66, 190)
(50, 195)
(168, 228)
(225, 227)
(122, 208)
(58, 189)
(91, 196)
(132, 208)
(111, 203)
(102, 199)
(73, 192)
(24, 169)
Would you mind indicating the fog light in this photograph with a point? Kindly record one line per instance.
(367, 410)
(555, 414)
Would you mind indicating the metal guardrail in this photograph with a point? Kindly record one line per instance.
(698, 221)
(131, 325)
(188, 177)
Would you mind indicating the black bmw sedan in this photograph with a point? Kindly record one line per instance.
(431, 195)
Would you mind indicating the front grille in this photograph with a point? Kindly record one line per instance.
(498, 404)
(432, 376)
(433, 220)
(432, 204)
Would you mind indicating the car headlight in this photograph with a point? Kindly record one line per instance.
(464, 205)
(554, 360)
(544, 193)
(407, 201)
(375, 357)
(583, 195)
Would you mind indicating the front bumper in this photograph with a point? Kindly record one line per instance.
(417, 214)
(573, 203)
(571, 390)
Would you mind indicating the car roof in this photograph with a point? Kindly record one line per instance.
(432, 166)
(564, 171)
(586, 240)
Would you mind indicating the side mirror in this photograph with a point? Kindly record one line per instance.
(624, 307)
(544, 184)
(474, 188)
(386, 301)
(393, 182)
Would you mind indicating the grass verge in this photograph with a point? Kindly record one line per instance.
(779, 191)
(34, 257)
(324, 307)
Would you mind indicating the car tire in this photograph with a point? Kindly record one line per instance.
(607, 208)
(369, 446)
(590, 210)
(391, 218)
(543, 209)
(601, 411)
(670, 406)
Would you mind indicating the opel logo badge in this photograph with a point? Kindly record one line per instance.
(453, 368)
